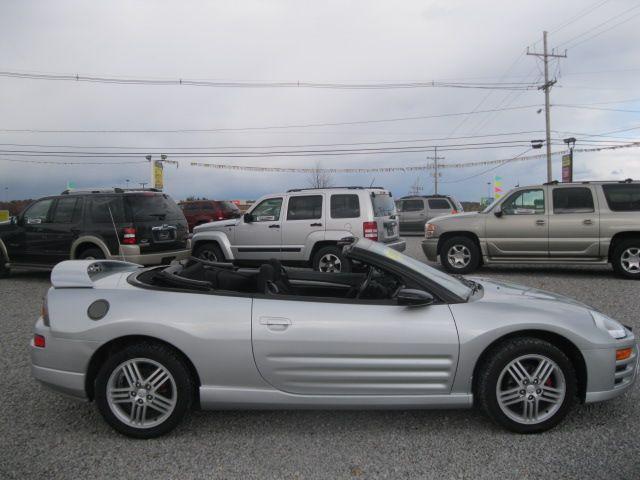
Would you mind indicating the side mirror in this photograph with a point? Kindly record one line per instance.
(247, 217)
(497, 211)
(411, 297)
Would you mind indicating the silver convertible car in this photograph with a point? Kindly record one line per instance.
(148, 344)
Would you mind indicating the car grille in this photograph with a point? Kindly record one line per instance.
(626, 369)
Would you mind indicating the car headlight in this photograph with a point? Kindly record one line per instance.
(430, 230)
(609, 325)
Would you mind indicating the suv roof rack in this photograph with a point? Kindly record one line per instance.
(426, 196)
(353, 187)
(71, 191)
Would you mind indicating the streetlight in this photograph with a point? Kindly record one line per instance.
(127, 180)
(536, 144)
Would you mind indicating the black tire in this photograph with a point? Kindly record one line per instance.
(4, 271)
(623, 248)
(209, 251)
(171, 361)
(489, 375)
(341, 265)
(464, 245)
(91, 253)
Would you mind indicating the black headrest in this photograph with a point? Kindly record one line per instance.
(277, 267)
(267, 272)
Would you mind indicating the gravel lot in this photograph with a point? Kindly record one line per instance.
(45, 435)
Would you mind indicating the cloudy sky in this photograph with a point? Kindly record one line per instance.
(310, 41)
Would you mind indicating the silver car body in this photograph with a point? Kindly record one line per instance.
(416, 210)
(259, 351)
(295, 240)
(545, 235)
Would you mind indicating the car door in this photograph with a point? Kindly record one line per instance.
(316, 347)
(520, 227)
(31, 248)
(574, 222)
(260, 238)
(413, 215)
(63, 228)
(304, 218)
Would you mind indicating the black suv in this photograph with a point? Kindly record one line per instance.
(141, 226)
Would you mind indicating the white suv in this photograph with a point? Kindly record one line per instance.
(302, 227)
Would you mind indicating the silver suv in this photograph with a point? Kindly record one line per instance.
(302, 227)
(416, 210)
(563, 223)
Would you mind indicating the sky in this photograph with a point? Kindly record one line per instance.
(309, 41)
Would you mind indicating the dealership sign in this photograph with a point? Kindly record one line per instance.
(567, 167)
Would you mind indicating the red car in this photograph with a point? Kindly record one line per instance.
(198, 212)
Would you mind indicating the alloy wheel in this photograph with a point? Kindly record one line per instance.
(208, 255)
(630, 260)
(330, 263)
(459, 256)
(531, 389)
(141, 393)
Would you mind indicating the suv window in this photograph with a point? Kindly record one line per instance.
(383, 205)
(439, 204)
(38, 212)
(267, 210)
(412, 205)
(102, 208)
(189, 207)
(307, 207)
(572, 200)
(525, 202)
(229, 207)
(146, 207)
(345, 206)
(65, 210)
(623, 198)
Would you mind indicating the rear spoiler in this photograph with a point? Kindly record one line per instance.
(82, 273)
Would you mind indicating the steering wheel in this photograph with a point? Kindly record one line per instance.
(365, 284)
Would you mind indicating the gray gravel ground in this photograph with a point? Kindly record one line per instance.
(45, 435)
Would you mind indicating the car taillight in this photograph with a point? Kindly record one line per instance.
(39, 341)
(370, 230)
(129, 236)
(44, 311)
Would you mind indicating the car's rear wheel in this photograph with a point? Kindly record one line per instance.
(144, 390)
(210, 252)
(331, 260)
(626, 258)
(527, 385)
(92, 253)
(4, 270)
(460, 255)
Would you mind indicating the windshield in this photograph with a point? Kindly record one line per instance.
(446, 281)
(491, 205)
(383, 205)
(153, 206)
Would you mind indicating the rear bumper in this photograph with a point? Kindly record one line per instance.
(430, 249)
(400, 245)
(132, 253)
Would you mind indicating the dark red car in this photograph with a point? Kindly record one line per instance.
(198, 212)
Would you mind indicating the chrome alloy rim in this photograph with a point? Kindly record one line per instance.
(208, 255)
(141, 393)
(630, 260)
(531, 389)
(330, 263)
(459, 256)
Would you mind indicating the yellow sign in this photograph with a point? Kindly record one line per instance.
(4, 215)
(158, 175)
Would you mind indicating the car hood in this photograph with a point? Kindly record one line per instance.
(450, 216)
(205, 227)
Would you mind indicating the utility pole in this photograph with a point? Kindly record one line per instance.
(547, 87)
(436, 174)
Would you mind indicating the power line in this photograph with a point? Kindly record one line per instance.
(493, 168)
(587, 107)
(581, 14)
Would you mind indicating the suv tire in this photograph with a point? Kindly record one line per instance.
(121, 389)
(92, 253)
(625, 258)
(4, 271)
(548, 393)
(331, 260)
(209, 251)
(460, 255)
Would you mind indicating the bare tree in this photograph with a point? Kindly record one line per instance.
(319, 178)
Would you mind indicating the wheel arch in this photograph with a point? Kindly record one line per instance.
(82, 243)
(218, 237)
(559, 341)
(101, 354)
(619, 237)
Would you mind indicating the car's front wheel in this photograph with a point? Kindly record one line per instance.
(626, 258)
(527, 385)
(210, 252)
(331, 260)
(144, 390)
(460, 255)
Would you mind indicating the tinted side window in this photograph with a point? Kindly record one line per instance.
(572, 200)
(439, 204)
(38, 212)
(345, 206)
(65, 210)
(267, 210)
(524, 202)
(623, 198)
(412, 205)
(307, 207)
(148, 207)
(101, 209)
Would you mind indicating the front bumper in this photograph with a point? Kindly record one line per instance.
(400, 245)
(430, 249)
(132, 253)
(608, 378)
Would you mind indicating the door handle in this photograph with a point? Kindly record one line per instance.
(275, 323)
(540, 222)
(588, 221)
(316, 225)
(275, 225)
